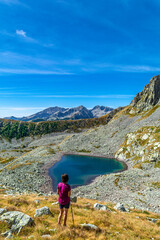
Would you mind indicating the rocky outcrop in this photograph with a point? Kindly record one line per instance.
(42, 211)
(2, 210)
(89, 226)
(148, 98)
(120, 207)
(100, 206)
(17, 220)
(141, 146)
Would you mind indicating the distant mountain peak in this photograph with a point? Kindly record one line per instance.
(99, 111)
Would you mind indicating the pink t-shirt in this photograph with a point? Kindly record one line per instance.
(63, 193)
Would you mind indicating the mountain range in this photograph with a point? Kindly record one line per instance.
(59, 113)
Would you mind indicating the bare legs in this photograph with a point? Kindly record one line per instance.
(65, 216)
(60, 216)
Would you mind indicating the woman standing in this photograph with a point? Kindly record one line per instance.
(64, 191)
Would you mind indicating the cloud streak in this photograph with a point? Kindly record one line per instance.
(33, 71)
(117, 96)
(120, 68)
(22, 34)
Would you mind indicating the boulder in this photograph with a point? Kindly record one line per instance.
(30, 237)
(2, 210)
(17, 220)
(42, 211)
(89, 226)
(37, 201)
(46, 236)
(100, 206)
(120, 207)
(54, 203)
(154, 220)
(7, 234)
(145, 136)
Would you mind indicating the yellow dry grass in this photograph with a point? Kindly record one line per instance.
(113, 225)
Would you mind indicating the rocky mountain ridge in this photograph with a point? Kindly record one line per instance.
(148, 97)
(59, 113)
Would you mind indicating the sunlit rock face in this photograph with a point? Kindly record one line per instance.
(149, 97)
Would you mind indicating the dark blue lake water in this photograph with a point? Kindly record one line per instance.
(82, 169)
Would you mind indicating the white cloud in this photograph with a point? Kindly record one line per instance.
(21, 33)
(32, 71)
(138, 68)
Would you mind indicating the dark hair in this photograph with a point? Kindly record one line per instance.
(65, 178)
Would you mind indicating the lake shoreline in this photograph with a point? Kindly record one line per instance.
(48, 186)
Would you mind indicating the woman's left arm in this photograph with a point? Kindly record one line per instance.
(69, 193)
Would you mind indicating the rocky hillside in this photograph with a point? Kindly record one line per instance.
(131, 136)
(58, 113)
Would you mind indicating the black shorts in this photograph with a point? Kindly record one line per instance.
(64, 206)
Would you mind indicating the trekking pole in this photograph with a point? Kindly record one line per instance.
(72, 214)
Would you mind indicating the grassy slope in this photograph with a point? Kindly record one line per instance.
(113, 225)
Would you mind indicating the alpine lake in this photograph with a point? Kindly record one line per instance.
(82, 170)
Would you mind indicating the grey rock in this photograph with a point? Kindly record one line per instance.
(54, 203)
(17, 220)
(37, 201)
(40, 194)
(46, 236)
(30, 237)
(2, 210)
(42, 211)
(120, 207)
(89, 226)
(52, 230)
(9, 236)
(100, 206)
(154, 220)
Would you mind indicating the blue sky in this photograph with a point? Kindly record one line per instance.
(70, 52)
